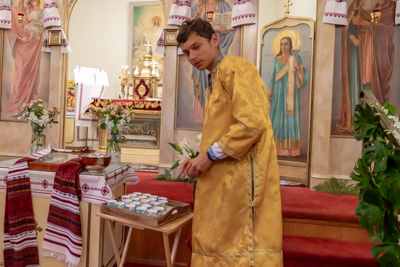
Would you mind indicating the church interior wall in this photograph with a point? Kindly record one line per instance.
(99, 39)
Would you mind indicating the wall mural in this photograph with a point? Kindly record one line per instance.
(147, 25)
(286, 69)
(365, 59)
(25, 69)
(192, 84)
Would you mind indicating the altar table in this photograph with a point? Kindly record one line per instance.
(96, 189)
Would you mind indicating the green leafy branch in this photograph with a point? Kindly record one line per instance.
(378, 175)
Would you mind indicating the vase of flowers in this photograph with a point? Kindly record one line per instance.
(38, 140)
(113, 116)
(40, 117)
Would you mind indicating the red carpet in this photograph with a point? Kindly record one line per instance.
(320, 206)
(317, 252)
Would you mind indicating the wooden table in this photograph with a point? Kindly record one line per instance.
(174, 226)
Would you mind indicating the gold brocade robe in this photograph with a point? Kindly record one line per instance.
(237, 213)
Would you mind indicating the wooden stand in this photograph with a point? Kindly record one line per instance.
(174, 226)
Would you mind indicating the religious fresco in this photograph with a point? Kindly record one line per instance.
(286, 69)
(192, 84)
(147, 25)
(366, 58)
(25, 69)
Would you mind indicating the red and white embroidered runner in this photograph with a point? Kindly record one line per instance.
(20, 246)
(63, 236)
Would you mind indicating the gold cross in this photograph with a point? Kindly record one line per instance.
(287, 5)
(154, 64)
(148, 46)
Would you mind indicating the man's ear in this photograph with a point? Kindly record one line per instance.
(214, 40)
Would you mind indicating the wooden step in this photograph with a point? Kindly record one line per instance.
(325, 229)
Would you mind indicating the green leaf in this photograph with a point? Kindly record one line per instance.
(391, 109)
(166, 176)
(371, 217)
(176, 147)
(337, 187)
(365, 122)
(378, 249)
(373, 197)
(361, 174)
(390, 188)
(175, 165)
(377, 152)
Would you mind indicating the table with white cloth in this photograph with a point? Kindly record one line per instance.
(96, 189)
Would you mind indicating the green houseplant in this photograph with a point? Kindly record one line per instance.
(378, 175)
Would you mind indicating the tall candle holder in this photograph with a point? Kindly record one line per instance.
(125, 77)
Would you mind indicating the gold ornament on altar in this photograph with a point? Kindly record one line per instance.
(145, 79)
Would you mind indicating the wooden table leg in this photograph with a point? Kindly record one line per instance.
(170, 257)
(113, 243)
(175, 245)
(167, 250)
(128, 239)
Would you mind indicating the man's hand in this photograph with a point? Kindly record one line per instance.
(194, 167)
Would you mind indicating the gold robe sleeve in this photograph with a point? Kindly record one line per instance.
(249, 108)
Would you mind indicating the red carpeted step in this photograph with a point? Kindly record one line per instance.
(303, 203)
(322, 252)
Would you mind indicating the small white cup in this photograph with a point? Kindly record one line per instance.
(162, 198)
(120, 205)
(155, 204)
(127, 201)
(130, 207)
(163, 203)
(111, 202)
(123, 197)
(147, 206)
(160, 211)
(145, 201)
(141, 210)
(151, 213)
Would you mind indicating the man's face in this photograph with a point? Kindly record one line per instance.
(200, 52)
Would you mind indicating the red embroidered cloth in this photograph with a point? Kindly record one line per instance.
(20, 245)
(63, 236)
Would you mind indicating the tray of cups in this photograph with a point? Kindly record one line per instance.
(145, 208)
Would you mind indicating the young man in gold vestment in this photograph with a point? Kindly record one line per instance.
(237, 214)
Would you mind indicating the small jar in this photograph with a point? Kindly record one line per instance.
(120, 205)
(111, 202)
(141, 210)
(160, 211)
(151, 213)
(130, 207)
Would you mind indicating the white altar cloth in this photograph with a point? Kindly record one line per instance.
(96, 188)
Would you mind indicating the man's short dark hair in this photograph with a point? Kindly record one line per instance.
(198, 26)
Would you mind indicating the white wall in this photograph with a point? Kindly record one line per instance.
(98, 34)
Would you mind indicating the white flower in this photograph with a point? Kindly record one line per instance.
(198, 139)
